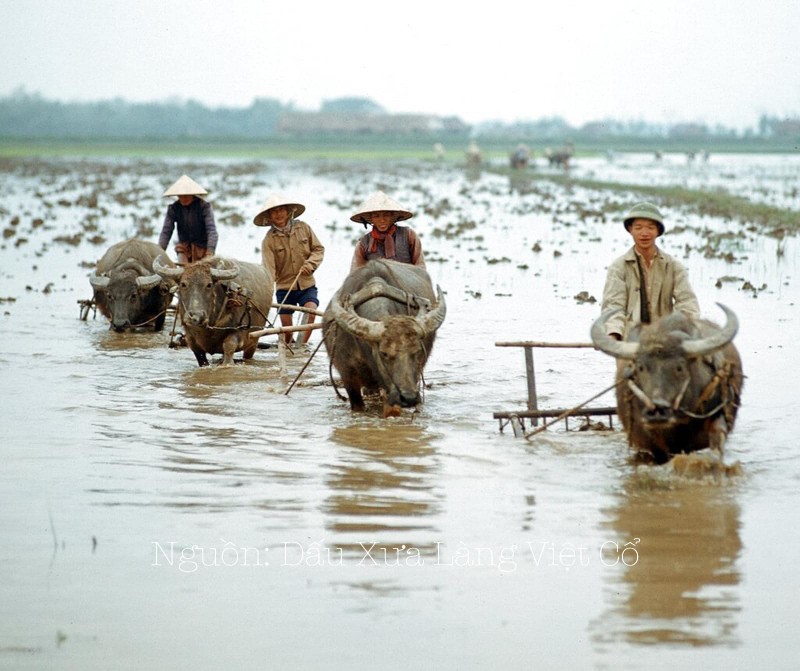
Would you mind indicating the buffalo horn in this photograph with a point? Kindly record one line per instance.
(365, 329)
(225, 273)
(702, 346)
(147, 282)
(432, 320)
(605, 343)
(133, 264)
(99, 281)
(166, 271)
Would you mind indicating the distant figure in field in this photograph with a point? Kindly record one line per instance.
(520, 157)
(438, 151)
(194, 217)
(474, 156)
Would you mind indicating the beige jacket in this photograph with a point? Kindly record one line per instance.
(284, 255)
(670, 290)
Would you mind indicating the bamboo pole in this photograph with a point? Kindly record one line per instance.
(286, 329)
(535, 343)
(299, 308)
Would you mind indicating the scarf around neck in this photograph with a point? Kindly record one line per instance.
(388, 241)
(286, 230)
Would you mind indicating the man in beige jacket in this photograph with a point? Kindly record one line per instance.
(291, 252)
(645, 282)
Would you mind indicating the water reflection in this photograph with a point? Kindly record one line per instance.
(383, 489)
(108, 340)
(684, 587)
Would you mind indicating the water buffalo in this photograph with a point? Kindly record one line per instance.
(379, 330)
(680, 392)
(219, 301)
(126, 290)
(559, 158)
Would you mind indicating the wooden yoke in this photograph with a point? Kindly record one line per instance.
(376, 288)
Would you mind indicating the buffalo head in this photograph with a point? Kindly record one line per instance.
(200, 291)
(398, 346)
(123, 292)
(667, 373)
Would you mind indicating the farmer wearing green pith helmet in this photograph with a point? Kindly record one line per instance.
(645, 283)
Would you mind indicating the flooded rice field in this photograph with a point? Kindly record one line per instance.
(155, 514)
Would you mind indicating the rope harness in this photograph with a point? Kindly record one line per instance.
(235, 297)
(722, 381)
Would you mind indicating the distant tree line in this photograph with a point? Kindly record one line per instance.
(24, 115)
(556, 128)
(29, 115)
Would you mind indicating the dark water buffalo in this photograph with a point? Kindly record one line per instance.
(683, 386)
(559, 158)
(219, 301)
(126, 290)
(379, 331)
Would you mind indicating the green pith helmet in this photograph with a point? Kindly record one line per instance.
(644, 211)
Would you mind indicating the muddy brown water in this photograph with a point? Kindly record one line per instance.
(154, 514)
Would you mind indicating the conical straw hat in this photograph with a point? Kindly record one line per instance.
(186, 186)
(276, 200)
(380, 202)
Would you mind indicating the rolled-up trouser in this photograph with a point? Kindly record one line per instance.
(188, 252)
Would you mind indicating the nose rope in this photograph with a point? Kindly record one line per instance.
(152, 319)
(707, 393)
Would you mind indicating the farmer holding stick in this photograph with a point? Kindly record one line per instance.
(291, 252)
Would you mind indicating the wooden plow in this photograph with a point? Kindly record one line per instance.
(517, 418)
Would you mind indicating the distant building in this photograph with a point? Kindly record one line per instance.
(310, 123)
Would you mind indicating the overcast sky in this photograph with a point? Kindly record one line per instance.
(678, 60)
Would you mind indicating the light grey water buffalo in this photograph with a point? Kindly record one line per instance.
(680, 390)
(220, 301)
(126, 289)
(379, 330)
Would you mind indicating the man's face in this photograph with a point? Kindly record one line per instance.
(279, 216)
(381, 220)
(644, 233)
(185, 200)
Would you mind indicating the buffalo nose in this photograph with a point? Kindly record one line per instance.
(409, 400)
(660, 411)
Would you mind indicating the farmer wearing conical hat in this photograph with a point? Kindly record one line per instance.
(645, 282)
(386, 240)
(194, 217)
(291, 252)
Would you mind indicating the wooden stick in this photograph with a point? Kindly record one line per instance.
(286, 329)
(289, 290)
(534, 343)
(299, 308)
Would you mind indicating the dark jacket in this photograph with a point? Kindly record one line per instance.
(195, 224)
